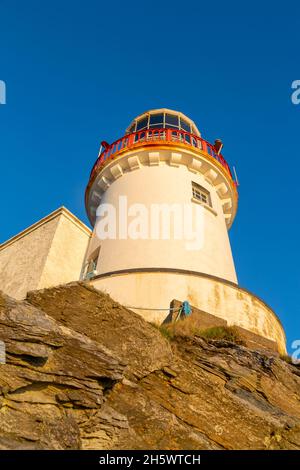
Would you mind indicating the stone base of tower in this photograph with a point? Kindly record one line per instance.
(204, 320)
(149, 292)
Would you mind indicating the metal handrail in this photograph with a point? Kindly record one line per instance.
(158, 135)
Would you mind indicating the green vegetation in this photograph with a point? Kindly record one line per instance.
(190, 326)
(286, 358)
(165, 330)
(227, 333)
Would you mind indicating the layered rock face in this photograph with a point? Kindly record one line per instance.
(82, 372)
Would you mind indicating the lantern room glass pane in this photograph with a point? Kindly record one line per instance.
(142, 123)
(185, 125)
(172, 120)
(156, 120)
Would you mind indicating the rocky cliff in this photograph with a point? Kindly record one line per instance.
(82, 372)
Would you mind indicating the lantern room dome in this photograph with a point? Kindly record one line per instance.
(163, 118)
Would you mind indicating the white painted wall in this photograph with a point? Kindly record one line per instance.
(155, 290)
(46, 254)
(164, 175)
(167, 184)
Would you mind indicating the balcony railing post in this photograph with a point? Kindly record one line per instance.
(168, 135)
(131, 139)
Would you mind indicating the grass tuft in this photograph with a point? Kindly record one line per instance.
(286, 358)
(227, 333)
(191, 326)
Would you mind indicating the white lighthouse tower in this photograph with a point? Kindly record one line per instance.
(137, 188)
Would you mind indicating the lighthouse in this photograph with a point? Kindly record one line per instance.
(161, 200)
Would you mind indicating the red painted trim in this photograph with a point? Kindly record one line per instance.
(162, 135)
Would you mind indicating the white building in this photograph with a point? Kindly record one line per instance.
(162, 159)
(161, 200)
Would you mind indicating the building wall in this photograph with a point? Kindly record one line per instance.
(155, 290)
(65, 258)
(22, 259)
(165, 184)
(48, 253)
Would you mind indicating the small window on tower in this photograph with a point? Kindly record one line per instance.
(201, 194)
(91, 264)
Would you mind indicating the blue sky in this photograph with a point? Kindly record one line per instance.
(78, 72)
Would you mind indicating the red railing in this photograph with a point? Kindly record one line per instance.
(157, 135)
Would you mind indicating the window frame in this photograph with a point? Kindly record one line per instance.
(204, 195)
(181, 121)
(92, 262)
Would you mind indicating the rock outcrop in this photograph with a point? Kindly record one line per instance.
(82, 372)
